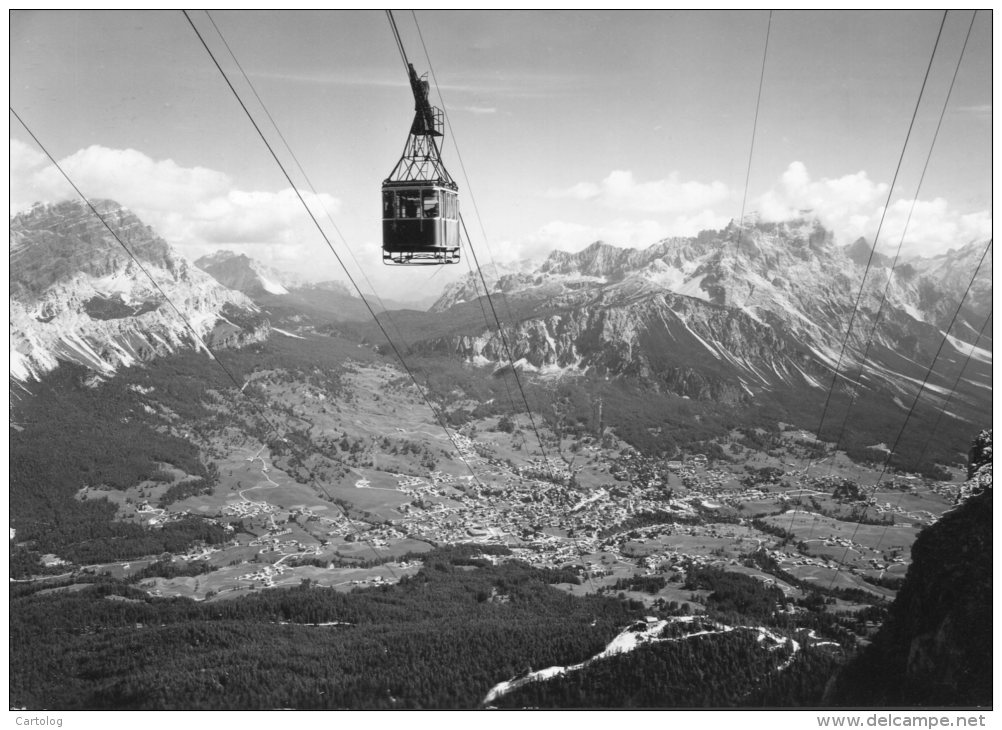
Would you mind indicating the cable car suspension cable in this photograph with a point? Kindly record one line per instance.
(469, 187)
(915, 401)
(751, 150)
(507, 349)
(897, 253)
(487, 323)
(869, 263)
(302, 171)
(327, 240)
(400, 45)
(240, 387)
(462, 166)
(504, 339)
(873, 249)
(942, 411)
(854, 388)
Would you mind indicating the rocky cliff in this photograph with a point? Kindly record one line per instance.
(77, 296)
(935, 649)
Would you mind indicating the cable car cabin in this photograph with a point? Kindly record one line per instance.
(420, 199)
(420, 223)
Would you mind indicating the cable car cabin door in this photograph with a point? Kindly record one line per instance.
(420, 224)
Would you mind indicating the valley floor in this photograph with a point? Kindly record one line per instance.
(782, 552)
(607, 513)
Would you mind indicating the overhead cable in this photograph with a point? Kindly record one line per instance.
(904, 231)
(918, 396)
(327, 240)
(758, 103)
(504, 339)
(462, 166)
(188, 325)
(302, 171)
(873, 249)
(942, 412)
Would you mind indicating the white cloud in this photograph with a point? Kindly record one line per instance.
(480, 109)
(620, 191)
(24, 159)
(259, 217)
(932, 228)
(561, 235)
(836, 200)
(135, 180)
(978, 111)
(621, 232)
(690, 225)
(571, 237)
(581, 191)
(28, 183)
(193, 208)
(852, 205)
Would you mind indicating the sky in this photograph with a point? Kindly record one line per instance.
(566, 126)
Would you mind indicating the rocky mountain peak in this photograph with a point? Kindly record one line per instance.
(50, 244)
(262, 282)
(244, 274)
(599, 259)
(77, 296)
(859, 251)
(222, 257)
(724, 315)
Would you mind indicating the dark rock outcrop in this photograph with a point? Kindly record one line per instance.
(935, 649)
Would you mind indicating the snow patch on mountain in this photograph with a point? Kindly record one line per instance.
(966, 349)
(651, 631)
(272, 287)
(287, 334)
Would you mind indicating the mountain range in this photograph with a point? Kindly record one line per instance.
(673, 388)
(287, 297)
(752, 316)
(744, 316)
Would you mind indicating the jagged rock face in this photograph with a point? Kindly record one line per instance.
(724, 315)
(935, 649)
(51, 244)
(244, 274)
(950, 273)
(599, 260)
(285, 296)
(660, 338)
(77, 296)
(467, 289)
